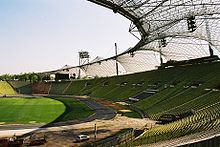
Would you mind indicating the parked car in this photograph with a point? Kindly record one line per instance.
(82, 137)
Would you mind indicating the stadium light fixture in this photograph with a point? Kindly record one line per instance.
(191, 23)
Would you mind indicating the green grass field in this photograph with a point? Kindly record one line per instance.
(26, 110)
(41, 110)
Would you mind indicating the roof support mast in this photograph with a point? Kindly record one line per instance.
(116, 62)
(209, 37)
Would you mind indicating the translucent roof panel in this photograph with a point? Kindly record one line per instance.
(139, 61)
(127, 63)
(102, 69)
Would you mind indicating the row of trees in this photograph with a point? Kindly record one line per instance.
(32, 77)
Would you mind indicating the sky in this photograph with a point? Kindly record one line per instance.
(43, 35)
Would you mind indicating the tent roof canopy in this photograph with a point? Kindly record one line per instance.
(158, 19)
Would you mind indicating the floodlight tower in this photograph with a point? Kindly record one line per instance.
(83, 59)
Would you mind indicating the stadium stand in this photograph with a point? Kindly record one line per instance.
(205, 138)
(188, 94)
(204, 119)
(164, 84)
(6, 89)
(176, 76)
(41, 88)
(22, 86)
(58, 87)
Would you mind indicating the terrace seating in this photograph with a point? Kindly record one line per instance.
(204, 119)
(195, 104)
(185, 141)
(22, 87)
(59, 87)
(6, 89)
(41, 88)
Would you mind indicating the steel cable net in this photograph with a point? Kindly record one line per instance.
(169, 30)
(170, 20)
(183, 45)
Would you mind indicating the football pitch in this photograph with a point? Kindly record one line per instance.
(29, 110)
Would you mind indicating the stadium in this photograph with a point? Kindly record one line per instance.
(164, 91)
